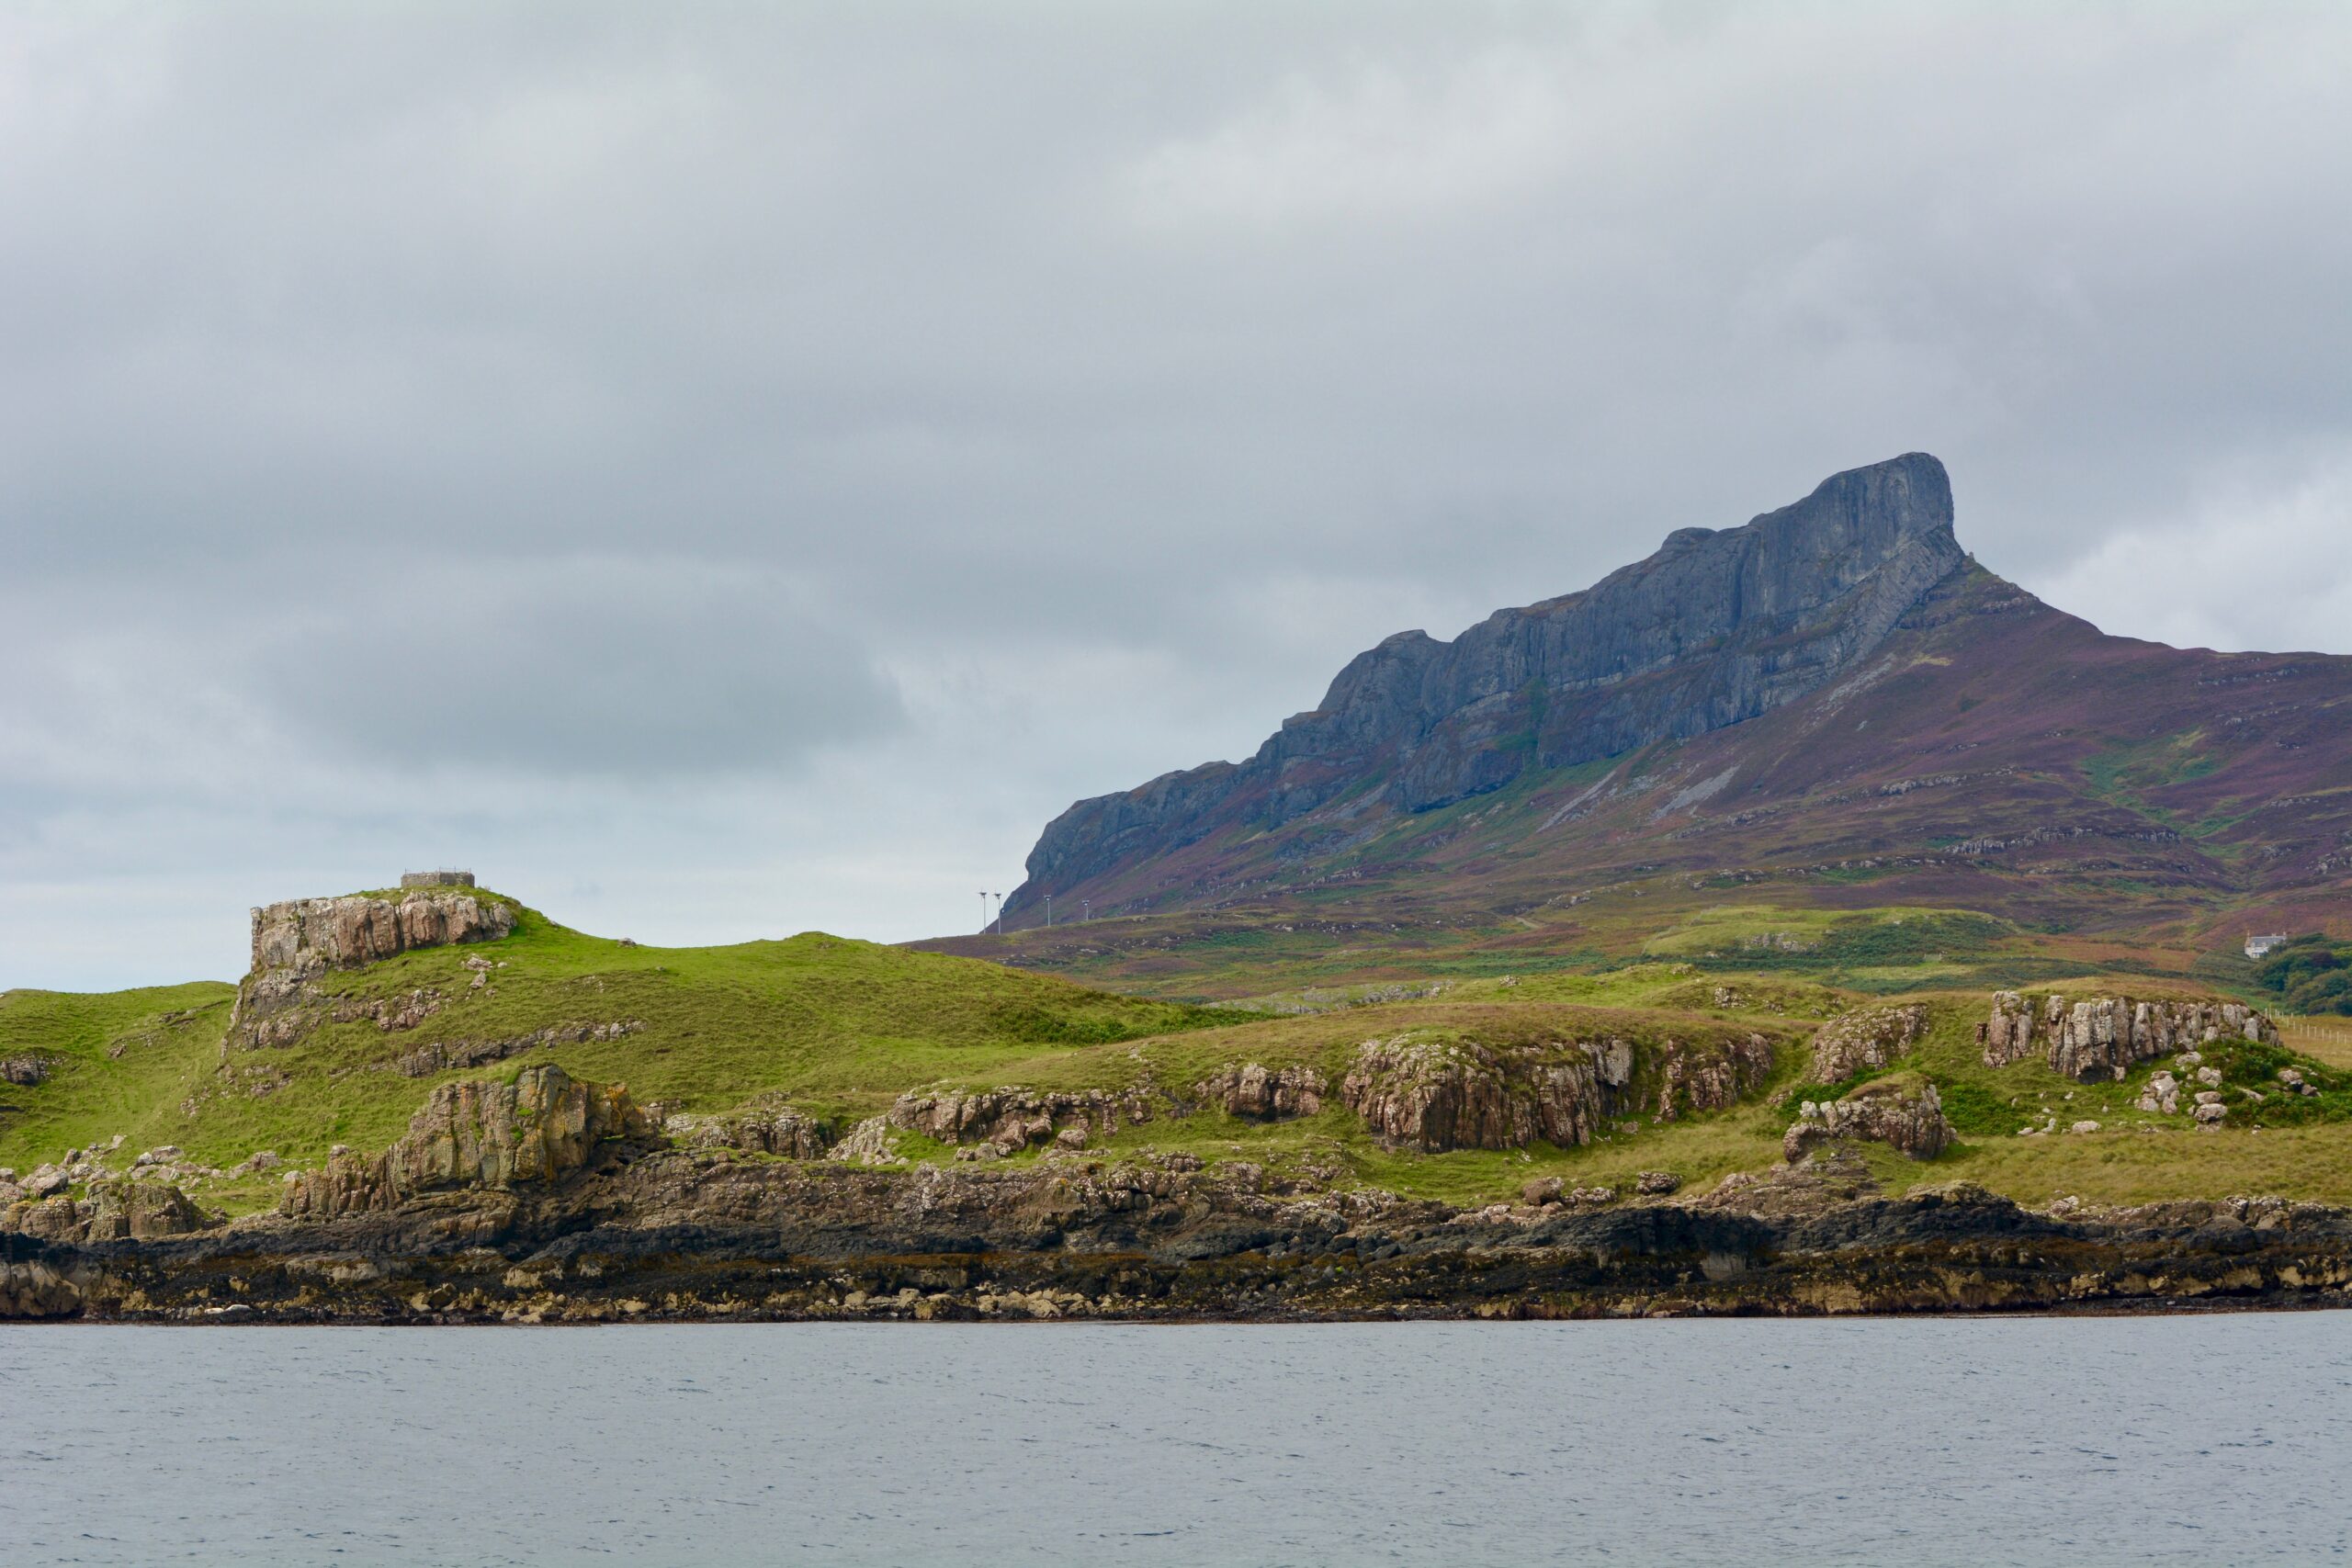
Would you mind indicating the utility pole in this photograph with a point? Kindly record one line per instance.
(1049, 911)
(1085, 910)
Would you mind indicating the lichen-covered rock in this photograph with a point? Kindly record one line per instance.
(2105, 1037)
(1657, 1183)
(25, 1072)
(1906, 1115)
(1865, 1041)
(1256, 1093)
(477, 1134)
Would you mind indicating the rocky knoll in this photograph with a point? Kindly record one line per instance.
(474, 1134)
(2104, 1037)
(1715, 628)
(296, 941)
(1439, 1094)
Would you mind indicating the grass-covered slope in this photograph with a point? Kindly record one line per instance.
(836, 1026)
(840, 1029)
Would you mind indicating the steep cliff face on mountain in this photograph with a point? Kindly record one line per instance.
(1834, 688)
(1715, 627)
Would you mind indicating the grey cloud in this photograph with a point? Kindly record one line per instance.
(614, 667)
(811, 438)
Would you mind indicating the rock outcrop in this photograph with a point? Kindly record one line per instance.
(1865, 1041)
(1256, 1093)
(296, 941)
(2105, 1037)
(310, 934)
(781, 1130)
(1013, 1117)
(1439, 1094)
(113, 1211)
(1905, 1114)
(489, 1134)
(1715, 628)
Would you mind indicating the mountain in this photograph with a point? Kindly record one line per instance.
(1831, 704)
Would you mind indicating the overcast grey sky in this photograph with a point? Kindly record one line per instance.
(725, 470)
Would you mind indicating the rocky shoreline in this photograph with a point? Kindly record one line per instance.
(658, 1235)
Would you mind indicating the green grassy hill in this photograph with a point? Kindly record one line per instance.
(840, 1029)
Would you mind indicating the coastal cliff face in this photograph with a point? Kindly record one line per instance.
(1715, 628)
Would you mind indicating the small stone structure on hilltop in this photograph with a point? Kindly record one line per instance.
(436, 879)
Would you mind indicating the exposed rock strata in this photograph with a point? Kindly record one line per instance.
(474, 1134)
(296, 941)
(1256, 1093)
(1013, 1117)
(113, 1211)
(1865, 1041)
(1905, 1116)
(2105, 1037)
(1715, 628)
(683, 1235)
(1435, 1095)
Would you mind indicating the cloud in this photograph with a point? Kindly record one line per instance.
(2214, 573)
(1374, 140)
(729, 471)
(627, 668)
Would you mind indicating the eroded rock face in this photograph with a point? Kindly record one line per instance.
(1014, 1117)
(1908, 1117)
(1256, 1093)
(1716, 627)
(1435, 1095)
(494, 1134)
(310, 934)
(783, 1132)
(2104, 1037)
(296, 942)
(1864, 1042)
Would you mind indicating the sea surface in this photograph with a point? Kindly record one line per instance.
(2207, 1439)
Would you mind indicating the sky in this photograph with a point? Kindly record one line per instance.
(724, 471)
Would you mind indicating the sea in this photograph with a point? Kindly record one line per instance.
(2208, 1439)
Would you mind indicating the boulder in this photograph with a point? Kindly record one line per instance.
(1657, 1183)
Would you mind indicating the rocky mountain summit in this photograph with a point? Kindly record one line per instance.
(1716, 627)
(1834, 688)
